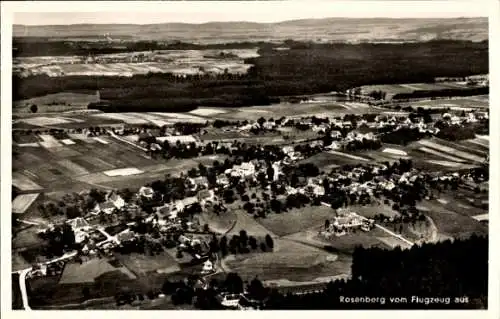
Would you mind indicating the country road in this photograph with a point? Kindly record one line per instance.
(24, 273)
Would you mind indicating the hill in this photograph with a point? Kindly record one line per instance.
(329, 29)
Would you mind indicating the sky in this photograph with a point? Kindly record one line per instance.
(150, 12)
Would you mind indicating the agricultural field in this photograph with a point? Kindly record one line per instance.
(450, 223)
(297, 220)
(75, 273)
(456, 103)
(58, 102)
(393, 89)
(142, 264)
(171, 61)
(290, 260)
(22, 202)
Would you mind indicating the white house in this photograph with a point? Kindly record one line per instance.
(146, 192)
(208, 267)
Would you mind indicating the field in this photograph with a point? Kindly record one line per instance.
(291, 260)
(456, 103)
(451, 223)
(75, 273)
(297, 220)
(22, 202)
(102, 162)
(140, 264)
(59, 102)
(172, 61)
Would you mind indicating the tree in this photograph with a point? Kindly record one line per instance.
(233, 283)
(327, 224)
(256, 289)
(269, 241)
(33, 108)
(252, 242)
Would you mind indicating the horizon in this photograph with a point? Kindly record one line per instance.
(264, 12)
(248, 21)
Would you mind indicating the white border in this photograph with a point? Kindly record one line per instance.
(294, 9)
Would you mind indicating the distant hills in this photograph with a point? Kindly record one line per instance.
(329, 29)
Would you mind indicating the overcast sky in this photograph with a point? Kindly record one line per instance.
(60, 13)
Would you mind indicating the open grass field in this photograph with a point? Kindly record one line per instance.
(59, 102)
(141, 264)
(441, 147)
(456, 103)
(246, 222)
(291, 260)
(221, 223)
(88, 271)
(450, 223)
(297, 220)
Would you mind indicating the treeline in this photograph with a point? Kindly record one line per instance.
(442, 93)
(34, 46)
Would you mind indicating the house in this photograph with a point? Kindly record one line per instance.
(113, 201)
(229, 300)
(208, 267)
(146, 192)
(180, 205)
(206, 195)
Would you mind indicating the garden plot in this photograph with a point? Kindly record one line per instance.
(44, 121)
(29, 145)
(68, 142)
(49, 141)
(444, 163)
(24, 183)
(63, 152)
(96, 162)
(142, 264)
(100, 140)
(22, 202)
(354, 157)
(123, 172)
(74, 168)
(394, 151)
(452, 151)
(439, 154)
(123, 117)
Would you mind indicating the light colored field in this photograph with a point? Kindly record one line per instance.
(29, 145)
(81, 137)
(160, 123)
(437, 153)
(179, 116)
(442, 201)
(95, 161)
(395, 151)
(123, 172)
(452, 151)
(24, 183)
(100, 140)
(249, 110)
(22, 202)
(411, 87)
(74, 168)
(481, 217)
(480, 142)
(132, 138)
(207, 111)
(354, 157)
(68, 142)
(86, 272)
(444, 163)
(49, 141)
(43, 121)
(121, 117)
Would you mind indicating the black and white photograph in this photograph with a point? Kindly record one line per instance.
(257, 155)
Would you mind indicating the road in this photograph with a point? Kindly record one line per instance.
(24, 273)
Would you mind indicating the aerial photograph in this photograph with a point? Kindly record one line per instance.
(314, 161)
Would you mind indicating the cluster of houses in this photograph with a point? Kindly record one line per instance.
(346, 222)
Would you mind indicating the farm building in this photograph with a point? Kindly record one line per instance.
(113, 201)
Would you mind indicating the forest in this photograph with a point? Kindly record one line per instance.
(304, 69)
